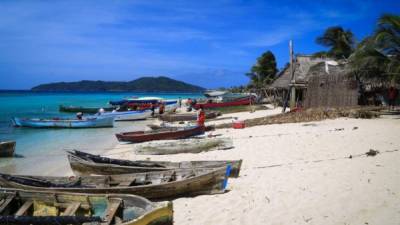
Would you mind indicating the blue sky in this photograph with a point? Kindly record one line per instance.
(208, 43)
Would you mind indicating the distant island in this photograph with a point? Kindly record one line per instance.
(145, 84)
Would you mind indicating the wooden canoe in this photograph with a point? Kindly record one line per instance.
(192, 145)
(83, 163)
(143, 136)
(7, 148)
(187, 116)
(171, 126)
(49, 208)
(152, 185)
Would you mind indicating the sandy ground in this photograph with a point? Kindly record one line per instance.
(301, 174)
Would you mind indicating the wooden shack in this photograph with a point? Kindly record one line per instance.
(319, 82)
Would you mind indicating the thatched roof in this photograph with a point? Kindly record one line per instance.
(301, 71)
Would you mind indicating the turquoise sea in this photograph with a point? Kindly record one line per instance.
(43, 150)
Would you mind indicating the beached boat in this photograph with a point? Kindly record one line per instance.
(83, 163)
(7, 148)
(49, 208)
(152, 185)
(173, 126)
(90, 122)
(237, 102)
(187, 116)
(143, 136)
(75, 109)
(127, 115)
(192, 145)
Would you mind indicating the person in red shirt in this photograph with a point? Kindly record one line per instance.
(201, 116)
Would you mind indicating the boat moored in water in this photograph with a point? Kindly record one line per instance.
(89, 122)
(75, 109)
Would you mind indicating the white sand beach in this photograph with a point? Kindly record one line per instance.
(300, 173)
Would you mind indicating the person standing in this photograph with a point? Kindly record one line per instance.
(161, 109)
(392, 95)
(201, 117)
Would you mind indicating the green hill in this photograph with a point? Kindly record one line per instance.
(145, 84)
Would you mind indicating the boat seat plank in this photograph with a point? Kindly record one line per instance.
(113, 205)
(24, 208)
(6, 202)
(72, 208)
(126, 183)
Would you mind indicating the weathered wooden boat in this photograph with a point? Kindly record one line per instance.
(237, 102)
(192, 145)
(83, 163)
(90, 122)
(75, 109)
(187, 116)
(7, 148)
(170, 126)
(143, 136)
(152, 185)
(127, 115)
(49, 208)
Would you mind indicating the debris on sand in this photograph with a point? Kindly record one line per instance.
(372, 152)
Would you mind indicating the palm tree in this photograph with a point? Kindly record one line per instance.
(339, 41)
(387, 40)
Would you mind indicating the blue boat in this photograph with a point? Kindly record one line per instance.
(90, 122)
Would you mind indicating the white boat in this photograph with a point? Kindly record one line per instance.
(127, 115)
(90, 122)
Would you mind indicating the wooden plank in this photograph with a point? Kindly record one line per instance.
(6, 202)
(72, 208)
(24, 208)
(126, 183)
(113, 205)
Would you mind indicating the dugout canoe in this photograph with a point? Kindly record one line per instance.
(187, 116)
(128, 115)
(91, 110)
(191, 145)
(152, 185)
(7, 148)
(83, 163)
(143, 136)
(91, 122)
(49, 208)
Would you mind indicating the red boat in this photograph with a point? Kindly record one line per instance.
(241, 101)
(143, 136)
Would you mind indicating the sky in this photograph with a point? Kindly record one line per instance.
(208, 43)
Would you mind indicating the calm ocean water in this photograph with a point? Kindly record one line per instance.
(43, 150)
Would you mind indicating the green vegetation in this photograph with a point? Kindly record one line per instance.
(264, 71)
(146, 84)
(340, 42)
(378, 55)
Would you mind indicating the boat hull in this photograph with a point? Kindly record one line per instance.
(183, 146)
(50, 205)
(95, 122)
(7, 148)
(128, 115)
(75, 109)
(141, 136)
(187, 116)
(83, 163)
(199, 182)
(244, 101)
